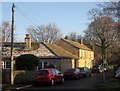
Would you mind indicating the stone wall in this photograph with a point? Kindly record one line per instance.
(61, 64)
(67, 64)
(5, 76)
(24, 76)
(21, 76)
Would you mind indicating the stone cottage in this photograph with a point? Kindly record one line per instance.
(85, 55)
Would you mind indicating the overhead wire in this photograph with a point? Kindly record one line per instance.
(31, 20)
(5, 12)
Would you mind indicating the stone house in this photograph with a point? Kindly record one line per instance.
(61, 58)
(84, 54)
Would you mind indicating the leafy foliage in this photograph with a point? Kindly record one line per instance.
(50, 66)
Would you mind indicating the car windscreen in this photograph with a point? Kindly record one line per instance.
(81, 69)
(42, 72)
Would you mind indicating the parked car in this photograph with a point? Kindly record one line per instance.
(95, 69)
(49, 75)
(85, 71)
(117, 75)
(72, 73)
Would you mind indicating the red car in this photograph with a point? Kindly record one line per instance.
(49, 75)
(72, 73)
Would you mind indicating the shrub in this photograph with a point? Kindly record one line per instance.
(50, 66)
(26, 62)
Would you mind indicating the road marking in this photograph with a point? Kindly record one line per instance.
(24, 87)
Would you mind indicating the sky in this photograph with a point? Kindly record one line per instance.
(68, 16)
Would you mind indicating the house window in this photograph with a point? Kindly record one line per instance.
(2, 64)
(7, 64)
(80, 53)
(42, 65)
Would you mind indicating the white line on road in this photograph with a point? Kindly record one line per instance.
(24, 87)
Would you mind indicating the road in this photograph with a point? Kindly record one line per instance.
(82, 83)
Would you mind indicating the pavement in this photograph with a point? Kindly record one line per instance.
(15, 86)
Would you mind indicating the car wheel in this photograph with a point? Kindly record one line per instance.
(62, 80)
(52, 82)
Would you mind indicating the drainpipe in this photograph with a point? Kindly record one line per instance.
(61, 64)
(42, 65)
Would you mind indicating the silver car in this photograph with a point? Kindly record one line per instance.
(118, 73)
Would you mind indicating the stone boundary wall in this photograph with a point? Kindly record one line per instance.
(23, 76)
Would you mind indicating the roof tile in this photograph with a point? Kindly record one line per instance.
(60, 52)
(76, 44)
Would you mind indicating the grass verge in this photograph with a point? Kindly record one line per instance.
(110, 84)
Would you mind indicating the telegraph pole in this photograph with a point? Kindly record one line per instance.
(12, 44)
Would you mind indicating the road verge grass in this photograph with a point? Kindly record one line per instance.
(110, 84)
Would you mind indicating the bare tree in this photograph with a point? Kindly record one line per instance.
(103, 34)
(111, 8)
(46, 33)
(73, 36)
(5, 31)
(112, 11)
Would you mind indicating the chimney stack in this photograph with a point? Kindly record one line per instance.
(81, 41)
(27, 41)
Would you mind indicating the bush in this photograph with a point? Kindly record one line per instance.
(50, 66)
(26, 62)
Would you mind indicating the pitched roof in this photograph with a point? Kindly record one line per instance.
(76, 44)
(60, 52)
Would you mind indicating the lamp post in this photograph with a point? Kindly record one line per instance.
(12, 44)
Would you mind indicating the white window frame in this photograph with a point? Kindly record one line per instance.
(6, 64)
